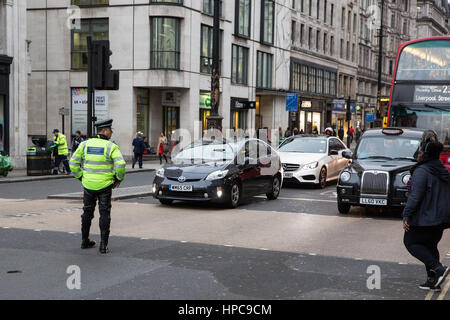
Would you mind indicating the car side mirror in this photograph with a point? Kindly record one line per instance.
(334, 152)
(347, 154)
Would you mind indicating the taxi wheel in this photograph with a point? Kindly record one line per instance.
(276, 187)
(343, 208)
(166, 202)
(323, 178)
(235, 195)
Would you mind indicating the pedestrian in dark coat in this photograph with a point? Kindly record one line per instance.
(427, 212)
(341, 133)
(139, 148)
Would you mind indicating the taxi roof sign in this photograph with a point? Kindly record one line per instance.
(392, 131)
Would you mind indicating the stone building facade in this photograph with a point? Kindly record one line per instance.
(14, 71)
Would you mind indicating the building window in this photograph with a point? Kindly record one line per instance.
(332, 45)
(264, 70)
(167, 1)
(312, 80)
(310, 8)
(208, 7)
(98, 29)
(304, 82)
(332, 14)
(90, 2)
(239, 65)
(325, 5)
(165, 52)
(142, 110)
(243, 18)
(318, 9)
(267, 23)
(206, 53)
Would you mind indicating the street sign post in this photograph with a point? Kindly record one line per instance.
(63, 112)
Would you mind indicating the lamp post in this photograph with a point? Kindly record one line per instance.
(380, 62)
(214, 121)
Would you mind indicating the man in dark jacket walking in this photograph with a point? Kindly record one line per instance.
(139, 148)
(427, 213)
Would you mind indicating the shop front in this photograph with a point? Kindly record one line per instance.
(240, 113)
(5, 63)
(339, 116)
(309, 118)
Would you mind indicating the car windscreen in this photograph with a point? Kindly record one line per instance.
(207, 152)
(304, 145)
(389, 147)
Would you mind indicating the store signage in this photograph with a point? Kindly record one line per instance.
(292, 102)
(170, 98)
(64, 111)
(79, 108)
(306, 104)
(205, 101)
(245, 105)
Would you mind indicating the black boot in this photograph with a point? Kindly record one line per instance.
(104, 242)
(86, 242)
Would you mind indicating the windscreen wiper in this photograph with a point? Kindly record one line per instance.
(405, 158)
(376, 157)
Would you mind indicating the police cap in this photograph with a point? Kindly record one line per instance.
(106, 124)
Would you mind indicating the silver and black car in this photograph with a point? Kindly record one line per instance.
(220, 171)
(380, 169)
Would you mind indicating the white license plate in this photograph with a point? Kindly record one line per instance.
(181, 188)
(288, 174)
(374, 202)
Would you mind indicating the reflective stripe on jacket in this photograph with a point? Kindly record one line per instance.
(61, 143)
(97, 161)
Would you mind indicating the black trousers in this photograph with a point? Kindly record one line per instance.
(160, 157)
(137, 157)
(422, 243)
(104, 205)
(64, 160)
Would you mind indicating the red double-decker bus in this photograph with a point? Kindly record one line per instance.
(420, 92)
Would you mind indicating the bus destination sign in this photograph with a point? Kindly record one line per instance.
(432, 94)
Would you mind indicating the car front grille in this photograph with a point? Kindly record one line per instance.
(289, 167)
(375, 183)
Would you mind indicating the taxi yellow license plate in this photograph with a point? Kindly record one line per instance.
(180, 188)
(374, 202)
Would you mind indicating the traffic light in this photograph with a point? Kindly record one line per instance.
(104, 77)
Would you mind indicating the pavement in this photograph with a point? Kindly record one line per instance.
(20, 175)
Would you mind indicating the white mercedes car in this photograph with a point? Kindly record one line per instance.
(312, 159)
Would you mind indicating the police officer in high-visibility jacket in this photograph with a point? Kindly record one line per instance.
(60, 142)
(99, 164)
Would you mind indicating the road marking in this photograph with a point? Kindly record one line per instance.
(264, 249)
(444, 291)
(403, 263)
(37, 230)
(229, 245)
(72, 233)
(5, 227)
(301, 199)
(312, 254)
(429, 295)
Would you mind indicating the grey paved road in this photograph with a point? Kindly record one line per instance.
(155, 269)
(297, 247)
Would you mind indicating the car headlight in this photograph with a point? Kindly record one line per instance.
(160, 172)
(406, 178)
(345, 176)
(217, 175)
(310, 166)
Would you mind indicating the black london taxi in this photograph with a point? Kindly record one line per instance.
(380, 170)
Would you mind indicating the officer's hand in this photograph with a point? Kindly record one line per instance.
(116, 184)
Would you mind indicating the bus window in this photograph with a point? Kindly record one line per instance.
(427, 60)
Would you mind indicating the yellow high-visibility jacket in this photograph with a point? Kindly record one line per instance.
(61, 143)
(97, 161)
